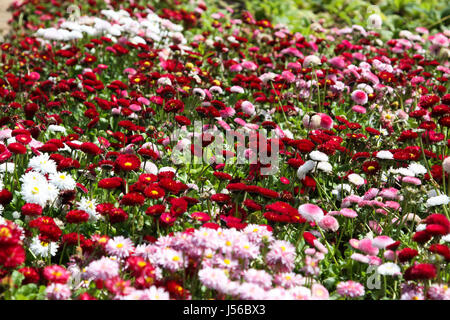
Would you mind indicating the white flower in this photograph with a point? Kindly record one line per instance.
(43, 249)
(446, 165)
(62, 181)
(89, 206)
(7, 167)
(417, 168)
(406, 172)
(421, 227)
(438, 201)
(43, 164)
(155, 293)
(55, 128)
(389, 269)
(385, 154)
(374, 21)
(325, 166)
(318, 156)
(305, 168)
(36, 193)
(446, 238)
(356, 179)
(311, 60)
(150, 167)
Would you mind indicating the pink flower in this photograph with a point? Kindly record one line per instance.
(359, 97)
(350, 289)
(248, 108)
(359, 109)
(329, 223)
(319, 292)
(311, 212)
(288, 76)
(57, 291)
(119, 246)
(381, 242)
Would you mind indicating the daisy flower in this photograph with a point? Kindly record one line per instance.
(350, 289)
(43, 249)
(119, 246)
(43, 164)
(62, 181)
(389, 269)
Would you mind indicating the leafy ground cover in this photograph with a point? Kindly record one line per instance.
(196, 151)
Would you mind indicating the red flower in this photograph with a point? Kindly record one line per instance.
(77, 216)
(127, 162)
(31, 209)
(72, 239)
(370, 167)
(132, 199)
(441, 249)
(31, 275)
(440, 219)
(179, 206)
(220, 198)
(147, 178)
(421, 236)
(155, 210)
(117, 215)
(111, 183)
(406, 254)
(90, 148)
(17, 148)
(424, 271)
(12, 256)
(222, 175)
(56, 274)
(5, 197)
(153, 191)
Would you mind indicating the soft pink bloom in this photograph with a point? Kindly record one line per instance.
(350, 289)
(311, 212)
(359, 109)
(359, 97)
(329, 223)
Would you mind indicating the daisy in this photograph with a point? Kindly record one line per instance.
(356, 179)
(350, 289)
(119, 246)
(318, 156)
(36, 193)
(311, 212)
(43, 249)
(157, 293)
(389, 269)
(62, 181)
(57, 291)
(89, 206)
(385, 155)
(43, 164)
(102, 269)
(305, 169)
(438, 201)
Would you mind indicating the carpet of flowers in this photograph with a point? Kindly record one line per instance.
(93, 206)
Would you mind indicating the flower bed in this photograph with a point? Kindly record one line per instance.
(151, 152)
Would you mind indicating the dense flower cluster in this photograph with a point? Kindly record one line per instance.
(112, 185)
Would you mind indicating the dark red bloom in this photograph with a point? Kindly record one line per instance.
(77, 216)
(127, 162)
(90, 148)
(5, 197)
(111, 183)
(132, 199)
(441, 249)
(406, 254)
(423, 271)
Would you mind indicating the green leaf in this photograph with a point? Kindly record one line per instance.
(17, 278)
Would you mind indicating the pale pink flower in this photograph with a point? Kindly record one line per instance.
(350, 289)
(119, 246)
(359, 97)
(319, 292)
(57, 291)
(329, 223)
(311, 212)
